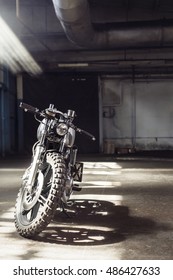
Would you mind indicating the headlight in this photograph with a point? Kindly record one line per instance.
(61, 129)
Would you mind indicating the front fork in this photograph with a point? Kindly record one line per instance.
(39, 150)
(73, 155)
(34, 167)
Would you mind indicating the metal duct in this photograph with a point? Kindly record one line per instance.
(74, 16)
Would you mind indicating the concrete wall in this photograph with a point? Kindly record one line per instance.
(137, 115)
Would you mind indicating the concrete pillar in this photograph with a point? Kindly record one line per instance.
(4, 111)
(1, 117)
(20, 113)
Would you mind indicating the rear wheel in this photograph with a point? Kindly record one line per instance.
(34, 211)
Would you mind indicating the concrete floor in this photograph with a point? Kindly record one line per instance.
(124, 211)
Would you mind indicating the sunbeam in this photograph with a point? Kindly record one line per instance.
(14, 54)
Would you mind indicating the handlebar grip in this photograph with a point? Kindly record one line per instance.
(29, 108)
(87, 133)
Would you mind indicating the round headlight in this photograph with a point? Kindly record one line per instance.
(61, 129)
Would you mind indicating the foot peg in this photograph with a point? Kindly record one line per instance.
(76, 188)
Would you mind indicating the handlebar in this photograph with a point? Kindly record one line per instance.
(86, 133)
(29, 108)
(51, 113)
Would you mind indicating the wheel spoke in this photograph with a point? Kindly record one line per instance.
(25, 212)
(34, 211)
(47, 188)
(42, 200)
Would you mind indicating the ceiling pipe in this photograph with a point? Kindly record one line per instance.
(74, 16)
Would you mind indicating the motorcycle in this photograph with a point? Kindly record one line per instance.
(49, 181)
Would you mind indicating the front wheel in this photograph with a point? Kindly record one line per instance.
(34, 211)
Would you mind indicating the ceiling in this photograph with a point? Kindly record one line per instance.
(40, 30)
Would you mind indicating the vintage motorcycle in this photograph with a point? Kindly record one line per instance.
(49, 181)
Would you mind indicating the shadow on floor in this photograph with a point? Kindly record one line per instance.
(93, 222)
